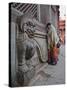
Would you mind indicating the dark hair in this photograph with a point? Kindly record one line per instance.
(48, 24)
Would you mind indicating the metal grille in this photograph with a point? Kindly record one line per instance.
(26, 8)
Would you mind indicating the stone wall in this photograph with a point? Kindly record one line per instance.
(18, 74)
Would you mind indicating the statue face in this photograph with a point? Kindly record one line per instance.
(29, 27)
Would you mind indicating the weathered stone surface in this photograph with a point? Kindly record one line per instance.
(30, 51)
(20, 78)
(23, 77)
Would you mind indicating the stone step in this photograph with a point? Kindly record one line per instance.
(38, 77)
(40, 67)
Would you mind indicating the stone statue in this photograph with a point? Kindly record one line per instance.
(25, 50)
(28, 51)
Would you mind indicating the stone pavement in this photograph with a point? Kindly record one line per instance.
(51, 74)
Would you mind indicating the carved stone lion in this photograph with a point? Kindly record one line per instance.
(25, 50)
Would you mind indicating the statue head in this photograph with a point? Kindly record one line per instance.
(26, 25)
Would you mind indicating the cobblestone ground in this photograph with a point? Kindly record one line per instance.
(52, 74)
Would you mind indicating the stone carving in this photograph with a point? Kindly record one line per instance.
(25, 51)
(28, 50)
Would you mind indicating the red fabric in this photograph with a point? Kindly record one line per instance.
(55, 52)
(53, 55)
(49, 56)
